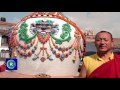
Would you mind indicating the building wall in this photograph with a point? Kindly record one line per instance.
(4, 27)
(3, 47)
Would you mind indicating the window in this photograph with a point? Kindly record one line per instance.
(4, 41)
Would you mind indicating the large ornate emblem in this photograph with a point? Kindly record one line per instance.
(46, 31)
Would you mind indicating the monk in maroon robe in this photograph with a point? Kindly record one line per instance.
(108, 69)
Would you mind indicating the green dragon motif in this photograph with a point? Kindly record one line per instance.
(23, 33)
(66, 29)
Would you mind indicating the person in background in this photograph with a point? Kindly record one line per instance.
(105, 63)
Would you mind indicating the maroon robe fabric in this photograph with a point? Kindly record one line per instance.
(110, 69)
(2, 68)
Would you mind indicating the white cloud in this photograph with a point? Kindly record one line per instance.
(97, 21)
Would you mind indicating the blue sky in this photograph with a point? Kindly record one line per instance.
(13, 16)
(96, 21)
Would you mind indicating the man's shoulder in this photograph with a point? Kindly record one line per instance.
(90, 57)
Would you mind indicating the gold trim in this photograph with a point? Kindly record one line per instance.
(42, 76)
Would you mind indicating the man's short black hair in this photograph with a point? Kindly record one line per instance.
(105, 32)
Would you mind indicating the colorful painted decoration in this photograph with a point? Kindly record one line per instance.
(45, 31)
(50, 57)
(35, 57)
(65, 32)
(23, 33)
(15, 54)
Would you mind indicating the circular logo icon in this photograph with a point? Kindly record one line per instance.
(11, 64)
